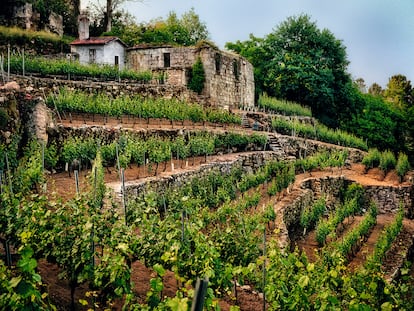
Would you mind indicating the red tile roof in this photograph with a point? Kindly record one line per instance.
(97, 41)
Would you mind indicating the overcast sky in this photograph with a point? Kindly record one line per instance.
(378, 34)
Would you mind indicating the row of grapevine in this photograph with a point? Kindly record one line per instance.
(327, 227)
(45, 67)
(129, 150)
(321, 160)
(283, 107)
(220, 240)
(146, 108)
(386, 161)
(352, 240)
(386, 239)
(317, 132)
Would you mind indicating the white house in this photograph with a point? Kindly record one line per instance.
(99, 50)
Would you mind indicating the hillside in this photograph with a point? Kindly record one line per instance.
(196, 202)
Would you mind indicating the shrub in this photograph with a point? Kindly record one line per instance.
(387, 161)
(403, 165)
(372, 159)
(198, 77)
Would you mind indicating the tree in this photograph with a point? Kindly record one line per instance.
(375, 89)
(104, 13)
(379, 123)
(185, 31)
(301, 63)
(360, 83)
(399, 91)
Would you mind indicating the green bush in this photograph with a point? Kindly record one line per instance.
(198, 77)
(387, 161)
(372, 159)
(403, 165)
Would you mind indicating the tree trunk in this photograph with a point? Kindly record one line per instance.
(108, 25)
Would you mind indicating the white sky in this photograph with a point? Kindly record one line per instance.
(378, 34)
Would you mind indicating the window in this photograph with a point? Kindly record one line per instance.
(217, 61)
(167, 60)
(236, 69)
(117, 61)
(92, 56)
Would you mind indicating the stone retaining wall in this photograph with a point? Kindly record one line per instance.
(247, 162)
(112, 89)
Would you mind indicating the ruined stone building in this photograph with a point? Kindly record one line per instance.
(229, 77)
(229, 81)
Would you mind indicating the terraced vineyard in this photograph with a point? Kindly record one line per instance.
(273, 221)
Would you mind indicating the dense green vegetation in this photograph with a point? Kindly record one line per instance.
(187, 30)
(301, 63)
(171, 109)
(73, 69)
(38, 40)
(317, 131)
(274, 105)
(202, 228)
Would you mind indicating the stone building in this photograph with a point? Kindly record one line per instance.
(229, 77)
(97, 50)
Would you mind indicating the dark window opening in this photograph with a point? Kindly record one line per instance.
(217, 61)
(117, 61)
(188, 75)
(167, 60)
(92, 56)
(236, 69)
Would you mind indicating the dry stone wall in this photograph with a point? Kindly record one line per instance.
(112, 89)
(247, 162)
(387, 199)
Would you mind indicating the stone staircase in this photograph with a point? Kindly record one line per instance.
(275, 145)
(245, 121)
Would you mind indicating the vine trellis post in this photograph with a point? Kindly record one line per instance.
(124, 204)
(264, 269)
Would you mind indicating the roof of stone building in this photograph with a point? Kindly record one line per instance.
(97, 41)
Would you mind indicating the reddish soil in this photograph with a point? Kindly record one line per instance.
(247, 300)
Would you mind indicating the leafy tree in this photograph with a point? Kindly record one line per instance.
(378, 123)
(375, 89)
(301, 63)
(186, 31)
(104, 13)
(399, 91)
(360, 84)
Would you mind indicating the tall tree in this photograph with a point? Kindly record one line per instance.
(185, 30)
(107, 11)
(375, 89)
(302, 63)
(360, 84)
(399, 91)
